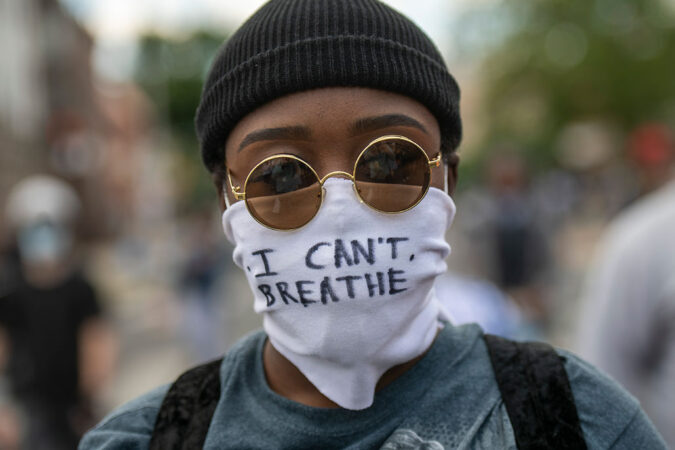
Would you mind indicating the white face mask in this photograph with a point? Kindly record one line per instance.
(349, 295)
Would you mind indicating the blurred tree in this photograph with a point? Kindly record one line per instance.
(547, 63)
(172, 72)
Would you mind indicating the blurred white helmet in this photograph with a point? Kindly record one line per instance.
(42, 198)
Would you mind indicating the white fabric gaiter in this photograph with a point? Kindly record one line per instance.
(350, 294)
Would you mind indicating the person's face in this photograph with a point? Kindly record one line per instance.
(328, 128)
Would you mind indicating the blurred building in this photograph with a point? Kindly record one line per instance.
(56, 118)
(45, 84)
(23, 108)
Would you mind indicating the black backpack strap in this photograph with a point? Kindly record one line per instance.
(185, 415)
(536, 392)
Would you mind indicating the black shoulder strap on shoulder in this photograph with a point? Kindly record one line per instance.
(185, 415)
(537, 394)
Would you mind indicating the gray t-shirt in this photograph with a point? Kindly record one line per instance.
(448, 400)
(627, 325)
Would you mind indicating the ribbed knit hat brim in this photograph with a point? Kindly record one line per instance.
(289, 46)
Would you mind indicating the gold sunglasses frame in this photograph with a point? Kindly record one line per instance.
(241, 195)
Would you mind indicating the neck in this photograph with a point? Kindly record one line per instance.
(286, 380)
(45, 275)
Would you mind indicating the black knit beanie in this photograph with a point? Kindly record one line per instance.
(289, 46)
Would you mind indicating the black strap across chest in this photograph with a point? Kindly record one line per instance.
(537, 394)
(530, 375)
(185, 415)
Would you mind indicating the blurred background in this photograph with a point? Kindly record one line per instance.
(569, 112)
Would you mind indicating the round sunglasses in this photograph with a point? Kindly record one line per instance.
(392, 174)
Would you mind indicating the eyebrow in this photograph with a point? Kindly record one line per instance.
(269, 134)
(368, 124)
(299, 132)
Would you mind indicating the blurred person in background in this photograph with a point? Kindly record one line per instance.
(202, 321)
(520, 255)
(628, 307)
(502, 224)
(56, 346)
(650, 150)
(331, 131)
(473, 300)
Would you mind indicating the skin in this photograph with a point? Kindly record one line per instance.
(319, 127)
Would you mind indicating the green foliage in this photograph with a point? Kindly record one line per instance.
(561, 61)
(172, 71)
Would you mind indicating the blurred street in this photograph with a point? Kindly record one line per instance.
(151, 320)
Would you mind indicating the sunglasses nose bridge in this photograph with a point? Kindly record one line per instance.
(338, 174)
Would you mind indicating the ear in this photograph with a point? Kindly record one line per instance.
(452, 163)
(221, 199)
(219, 183)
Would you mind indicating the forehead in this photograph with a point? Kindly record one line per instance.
(330, 115)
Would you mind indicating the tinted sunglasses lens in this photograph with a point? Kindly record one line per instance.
(283, 193)
(392, 175)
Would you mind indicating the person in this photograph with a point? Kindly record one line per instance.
(55, 339)
(197, 282)
(331, 130)
(628, 308)
(504, 233)
(651, 152)
(473, 300)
